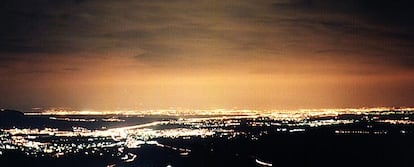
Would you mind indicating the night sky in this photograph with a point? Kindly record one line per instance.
(258, 54)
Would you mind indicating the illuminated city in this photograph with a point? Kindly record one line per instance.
(207, 83)
(121, 134)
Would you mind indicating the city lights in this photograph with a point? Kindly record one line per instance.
(185, 125)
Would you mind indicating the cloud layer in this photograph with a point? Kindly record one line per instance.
(302, 38)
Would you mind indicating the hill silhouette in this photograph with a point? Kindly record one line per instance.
(10, 118)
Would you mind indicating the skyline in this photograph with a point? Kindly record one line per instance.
(280, 54)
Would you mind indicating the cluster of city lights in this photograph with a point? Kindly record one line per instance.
(274, 114)
(51, 141)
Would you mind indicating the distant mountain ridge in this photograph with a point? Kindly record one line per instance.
(9, 118)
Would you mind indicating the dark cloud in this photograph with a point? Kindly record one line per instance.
(28, 25)
(383, 15)
(38, 72)
(71, 69)
(361, 29)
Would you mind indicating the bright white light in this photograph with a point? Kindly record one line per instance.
(263, 163)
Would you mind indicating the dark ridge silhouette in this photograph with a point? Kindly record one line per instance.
(16, 119)
(10, 118)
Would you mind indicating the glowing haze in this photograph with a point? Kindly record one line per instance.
(265, 54)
